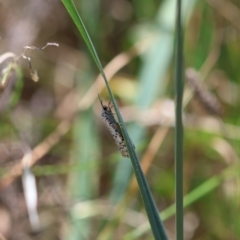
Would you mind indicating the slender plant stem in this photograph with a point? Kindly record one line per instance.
(179, 126)
(150, 206)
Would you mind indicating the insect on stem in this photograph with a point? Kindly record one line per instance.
(114, 128)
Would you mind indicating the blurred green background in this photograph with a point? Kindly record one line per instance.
(85, 189)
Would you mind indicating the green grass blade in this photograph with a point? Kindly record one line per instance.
(82, 184)
(69, 5)
(150, 206)
(179, 126)
(154, 67)
(152, 80)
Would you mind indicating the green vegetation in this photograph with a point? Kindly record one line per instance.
(86, 189)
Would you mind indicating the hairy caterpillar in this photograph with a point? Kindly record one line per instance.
(114, 128)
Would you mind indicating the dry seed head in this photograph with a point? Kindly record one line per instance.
(205, 97)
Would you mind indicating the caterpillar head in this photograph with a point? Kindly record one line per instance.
(105, 107)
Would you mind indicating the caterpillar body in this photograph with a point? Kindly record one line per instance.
(114, 128)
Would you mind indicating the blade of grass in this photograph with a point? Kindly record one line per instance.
(82, 184)
(152, 80)
(150, 206)
(178, 82)
(155, 63)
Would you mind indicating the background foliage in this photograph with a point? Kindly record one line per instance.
(84, 187)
